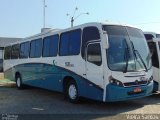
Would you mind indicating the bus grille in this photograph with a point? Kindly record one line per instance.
(135, 83)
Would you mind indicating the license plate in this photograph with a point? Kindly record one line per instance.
(137, 90)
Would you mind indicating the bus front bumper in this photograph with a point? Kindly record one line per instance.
(117, 93)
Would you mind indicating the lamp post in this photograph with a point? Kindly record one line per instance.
(73, 18)
(44, 13)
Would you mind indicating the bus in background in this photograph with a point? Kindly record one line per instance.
(153, 40)
(100, 61)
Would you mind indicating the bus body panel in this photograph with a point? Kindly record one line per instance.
(121, 93)
(51, 77)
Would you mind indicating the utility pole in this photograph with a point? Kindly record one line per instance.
(44, 13)
(73, 18)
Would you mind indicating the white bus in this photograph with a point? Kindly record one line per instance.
(100, 61)
(153, 40)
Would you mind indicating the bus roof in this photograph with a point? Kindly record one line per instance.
(152, 36)
(57, 31)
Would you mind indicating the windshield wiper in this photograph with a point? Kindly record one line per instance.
(136, 51)
(126, 56)
(127, 59)
(139, 55)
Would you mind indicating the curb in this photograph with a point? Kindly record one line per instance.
(8, 85)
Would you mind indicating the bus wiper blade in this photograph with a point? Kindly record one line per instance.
(127, 58)
(136, 51)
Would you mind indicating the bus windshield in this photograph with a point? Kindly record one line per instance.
(128, 50)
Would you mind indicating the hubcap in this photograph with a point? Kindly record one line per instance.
(72, 91)
(18, 82)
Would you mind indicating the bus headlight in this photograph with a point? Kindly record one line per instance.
(115, 82)
(150, 79)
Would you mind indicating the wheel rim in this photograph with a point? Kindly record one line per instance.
(18, 82)
(72, 92)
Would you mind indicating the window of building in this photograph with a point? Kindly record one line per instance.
(36, 48)
(70, 43)
(50, 46)
(7, 54)
(24, 50)
(94, 54)
(1, 53)
(89, 33)
(1, 65)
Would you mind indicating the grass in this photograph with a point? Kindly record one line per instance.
(6, 82)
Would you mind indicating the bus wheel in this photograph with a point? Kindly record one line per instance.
(72, 92)
(19, 82)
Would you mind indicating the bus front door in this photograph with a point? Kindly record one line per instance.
(94, 68)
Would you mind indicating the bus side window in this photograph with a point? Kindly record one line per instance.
(89, 34)
(24, 50)
(94, 54)
(36, 48)
(154, 55)
(70, 43)
(50, 46)
(7, 53)
(15, 51)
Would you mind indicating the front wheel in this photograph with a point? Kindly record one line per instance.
(19, 82)
(72, 92)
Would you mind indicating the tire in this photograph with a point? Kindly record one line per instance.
(19, 83)
(72, 92)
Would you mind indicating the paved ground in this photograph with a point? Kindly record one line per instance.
(39, 101)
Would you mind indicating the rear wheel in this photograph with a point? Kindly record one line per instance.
(19, 82)
(72, 92)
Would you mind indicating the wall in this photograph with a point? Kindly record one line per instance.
(1, 59)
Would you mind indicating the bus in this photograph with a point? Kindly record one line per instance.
(100, 61)
(153, 40)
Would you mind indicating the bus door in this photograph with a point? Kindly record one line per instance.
(154, 50)
(158, 52)
(94, 68)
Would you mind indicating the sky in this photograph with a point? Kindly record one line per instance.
(23, 18)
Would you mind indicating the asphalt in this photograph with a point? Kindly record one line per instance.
(35, 102)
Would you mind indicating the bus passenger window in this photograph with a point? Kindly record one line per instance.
(36, 48)
(50, 46)
(70, 43)
(7, 53)
(94, 54)
(15, 51)
(24, 50)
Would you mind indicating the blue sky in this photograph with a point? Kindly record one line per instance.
(22, 18)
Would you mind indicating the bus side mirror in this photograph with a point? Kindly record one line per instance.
(105, 42)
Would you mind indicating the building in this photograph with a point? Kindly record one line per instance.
(3, 42)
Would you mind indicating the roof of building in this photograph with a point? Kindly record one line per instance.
(5, 40)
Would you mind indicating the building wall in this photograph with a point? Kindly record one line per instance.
(1, 59)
